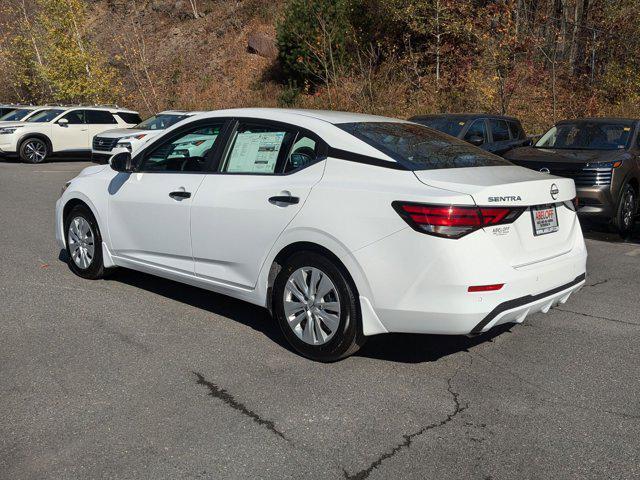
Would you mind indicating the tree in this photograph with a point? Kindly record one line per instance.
(52, 59)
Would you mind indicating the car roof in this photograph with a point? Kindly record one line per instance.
(600, 120)
(462, 116)
(179, 112)
(22, 107)
(328, 116)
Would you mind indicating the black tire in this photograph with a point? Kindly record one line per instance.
(348, 337)
(626, 211)
(95, 269)
(34, 150)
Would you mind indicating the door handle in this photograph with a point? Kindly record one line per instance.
(180, 194)
(284, 199)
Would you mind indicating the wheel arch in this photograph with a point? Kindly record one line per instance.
(73, 201)
(301, 246)
(37, 135)
(346, 262)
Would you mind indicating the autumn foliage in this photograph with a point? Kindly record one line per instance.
(541, 60)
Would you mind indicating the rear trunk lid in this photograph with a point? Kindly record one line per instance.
(522, 242)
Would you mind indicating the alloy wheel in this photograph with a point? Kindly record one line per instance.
(81, 242)
(628, 207)
(311, 305)
(35, 151)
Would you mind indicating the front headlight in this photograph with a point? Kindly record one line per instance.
(64, 187)
(8, 130)
(126, 145)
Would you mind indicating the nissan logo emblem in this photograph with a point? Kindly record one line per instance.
(554, 191)
(545, 170)
(100, 142)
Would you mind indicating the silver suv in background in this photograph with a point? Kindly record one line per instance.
(120, 139)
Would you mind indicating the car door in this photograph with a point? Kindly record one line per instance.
(99, 121)
(149, 210)
(263, 180)
(72, 136)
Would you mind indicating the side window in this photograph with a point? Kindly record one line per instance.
(516, 130)
(130, 117)
(477, 129)
(76, 117)
(257, 149)
(303, 152)
(186, 153)
(99, 117)
(499, 130)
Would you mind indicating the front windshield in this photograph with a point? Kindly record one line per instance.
(15, 115)
(159, 122)
(586, 136)
(450, 126)
(421, 147)
(45, 115)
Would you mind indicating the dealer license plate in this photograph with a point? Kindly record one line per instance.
(545, 219)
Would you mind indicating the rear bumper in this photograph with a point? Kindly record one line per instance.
(595, 201)
(516, 310)
(419, 284)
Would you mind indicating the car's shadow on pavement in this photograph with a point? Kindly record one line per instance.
(412, 348)
(394, 347)
(605, 233)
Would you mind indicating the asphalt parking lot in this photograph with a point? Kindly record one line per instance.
(138, 377)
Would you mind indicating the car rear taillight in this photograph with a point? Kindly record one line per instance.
(452, 221)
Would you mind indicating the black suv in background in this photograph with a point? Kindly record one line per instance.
(495, 133)
(602, 156)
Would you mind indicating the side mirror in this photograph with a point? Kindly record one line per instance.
(121, 162)
(476, 140)
(63, 122)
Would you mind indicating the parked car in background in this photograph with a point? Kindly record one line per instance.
(22, 113)
(342, 225)
(60, 131)
(6, 108)
(495, 133)
(602, 156)
(112, 141)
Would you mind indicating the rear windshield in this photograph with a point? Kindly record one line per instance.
(15, 115)
(159, 122)
(587, 136)
(421, 148)
(45, 115)
(450, 126)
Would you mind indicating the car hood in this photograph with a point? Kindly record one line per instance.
(122, 132)
(558, 155)
(92, 170)
(12, 124)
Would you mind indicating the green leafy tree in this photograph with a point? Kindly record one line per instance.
(313, 41)
(51, 59)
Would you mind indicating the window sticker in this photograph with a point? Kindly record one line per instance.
(255, 152)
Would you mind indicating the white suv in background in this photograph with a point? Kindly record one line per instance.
(113, 141)
(60, 130)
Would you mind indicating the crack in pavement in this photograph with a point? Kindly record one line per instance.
(220, 393)
(598, 283)
(408, 439)
(597, 317)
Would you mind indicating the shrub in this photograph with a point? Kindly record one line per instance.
(313, 41)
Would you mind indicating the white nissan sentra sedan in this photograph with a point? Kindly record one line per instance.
(342, 225)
